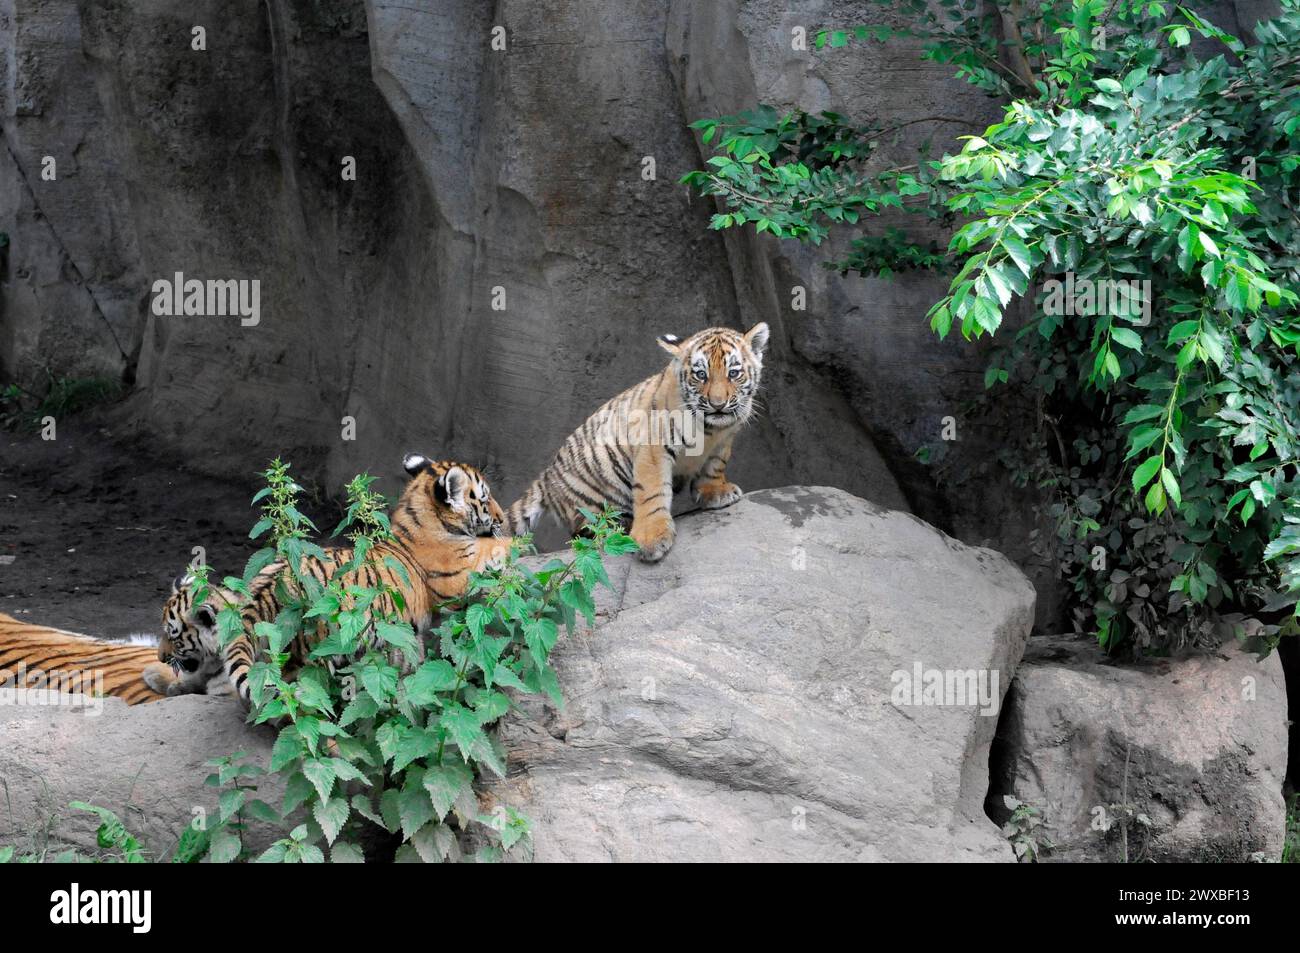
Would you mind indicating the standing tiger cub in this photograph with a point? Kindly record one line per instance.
(675, 428)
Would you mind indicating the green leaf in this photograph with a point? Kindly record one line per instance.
(1182, 331)
(416, 743)
(225, 846)
(489, 706)
(575, 595)
(540, 635)
(1171, 486)
(400, 635)
(288, 748)
(331, 815)
(1128, 338)
(297, 790)
(229, 625)
(434, 843)
(1020, 254)
(477, 618)
(261, 811)
(390, 809)
(414, 805)
(462, 725)
(275, 854)
(230, 802)
(1145, 473)
(363, 706)
(191, 847)
(1112, 365)
(380, 681)
(429, 681)
(1143, 412)
(444, 784)
(321, 774)
(346, 853)
(1155, 498)
(311, 690)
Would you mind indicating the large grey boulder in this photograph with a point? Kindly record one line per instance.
(145, 763)
(740, 700)
(1191, 753)
(737, 701)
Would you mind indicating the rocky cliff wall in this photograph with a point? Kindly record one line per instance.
(478, 172)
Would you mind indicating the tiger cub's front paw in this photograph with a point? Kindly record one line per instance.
(655, 537)
(159, 677)
(717, 495)
(497, 552)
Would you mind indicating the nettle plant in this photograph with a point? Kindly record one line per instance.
(1144, 198)
(394, 736)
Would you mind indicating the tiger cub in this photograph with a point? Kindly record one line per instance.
(443, 529)
(674, 428)
(189, 652)
(39, 657)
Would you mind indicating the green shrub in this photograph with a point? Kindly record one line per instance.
(117, 845)
(1168, 439)
(389, 739)
(63, 396)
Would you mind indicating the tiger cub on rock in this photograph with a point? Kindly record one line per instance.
(674, 428)
(443, 529)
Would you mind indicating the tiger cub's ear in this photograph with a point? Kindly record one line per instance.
(756, 338)
(181, 581)
(670, 343)
(451, 486)
(205, 616)
(413, 463)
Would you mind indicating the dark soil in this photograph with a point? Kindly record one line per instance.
(99, 524)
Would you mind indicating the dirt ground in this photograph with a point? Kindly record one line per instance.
(93, 528)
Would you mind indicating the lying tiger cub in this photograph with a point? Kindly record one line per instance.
(443, 529)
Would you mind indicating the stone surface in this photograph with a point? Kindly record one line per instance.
(735, 703)
(1205, 739)
(145, 763)
(475, 171)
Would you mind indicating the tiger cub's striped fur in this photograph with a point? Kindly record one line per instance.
(39, 657)
(443, 529)
(189, 653)
(674, 428)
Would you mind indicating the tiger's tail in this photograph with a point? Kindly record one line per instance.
(525, 513)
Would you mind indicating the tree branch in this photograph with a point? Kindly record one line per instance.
(1015, 43)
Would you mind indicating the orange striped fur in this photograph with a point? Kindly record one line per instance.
(76, 662)
(442, 530)
(675, 428)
